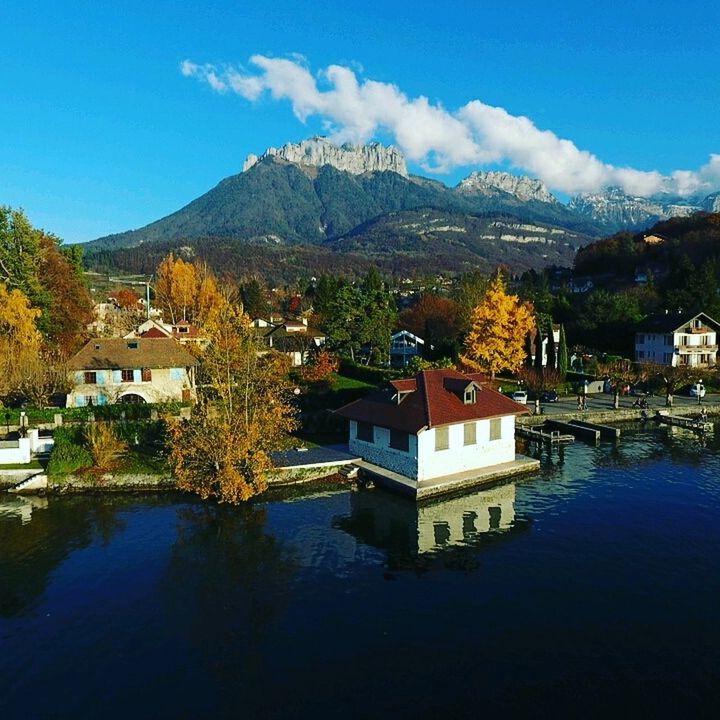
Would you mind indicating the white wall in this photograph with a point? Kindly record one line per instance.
(460, 457)
(15, 451)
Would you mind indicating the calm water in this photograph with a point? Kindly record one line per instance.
(590, 589)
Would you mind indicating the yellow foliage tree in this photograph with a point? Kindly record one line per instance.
(498, 326)
(19, 338)
(245, 412)
(187, 291)
(176, 287)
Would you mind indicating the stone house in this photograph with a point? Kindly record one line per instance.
(436, 424)
(152, 370)
(677, 338)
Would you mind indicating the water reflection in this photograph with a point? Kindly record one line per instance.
(226, 584)
(21, 506)
(444, 532)
(38, 534)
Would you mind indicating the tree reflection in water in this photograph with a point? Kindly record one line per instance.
(227, 584)
(34, 545)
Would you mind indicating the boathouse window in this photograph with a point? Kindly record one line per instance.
(90, 377)
(470, 433)
(399, 440)
(442, 438)
(496, 429)
(126, 375)
(365, 432)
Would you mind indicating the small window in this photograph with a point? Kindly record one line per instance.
(146, 375)
(183, 329)
(399, 440)
(127, 375)
(442, 438)
(496, 429)
(90, 378)
(132, 345)
(469, 398)
(470, 432)
(89, 400)
(365, 432)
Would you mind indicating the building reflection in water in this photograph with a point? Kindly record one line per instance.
(446, 531)
(21, 506)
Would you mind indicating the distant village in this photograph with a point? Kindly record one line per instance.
(421, 381)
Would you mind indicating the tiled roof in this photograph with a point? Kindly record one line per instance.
(119, 353)
(153, 332)
(673, 322)
(434, 397)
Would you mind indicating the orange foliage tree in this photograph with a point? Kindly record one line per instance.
(499, 324)
(245, 412)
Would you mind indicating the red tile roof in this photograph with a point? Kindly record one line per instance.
(434, 397)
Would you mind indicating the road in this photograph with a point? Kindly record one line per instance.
(604, 401)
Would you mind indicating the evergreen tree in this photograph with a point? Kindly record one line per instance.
(563, 362)
(538, 347)
(551, 348)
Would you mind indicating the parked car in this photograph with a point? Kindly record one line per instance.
(549, 396)
(697, 390)
(520, 396)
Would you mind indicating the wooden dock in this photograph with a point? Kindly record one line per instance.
(697, 424)
(588, 434)
(542, 435)
(607, 432)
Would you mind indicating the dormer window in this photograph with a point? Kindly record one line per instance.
(469, 397)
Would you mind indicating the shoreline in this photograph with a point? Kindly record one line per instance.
(288, 478)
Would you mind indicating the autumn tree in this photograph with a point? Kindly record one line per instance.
(175, 287)
(187, 291)
(20, 340)
(496, 340)
(437, 320)
(48, 275)
(672, 377)
(245, 412)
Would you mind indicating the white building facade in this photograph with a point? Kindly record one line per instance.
(673, 340)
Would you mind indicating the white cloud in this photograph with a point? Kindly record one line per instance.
(355, 110)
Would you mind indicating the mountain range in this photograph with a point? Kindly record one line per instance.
(361, 200)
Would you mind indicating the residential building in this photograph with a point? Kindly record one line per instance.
(678, 338)
(152, 370)
(182, 331)
(434, 425)
(293, 338)
(404, 346)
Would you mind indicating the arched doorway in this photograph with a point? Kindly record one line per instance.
(132, 399)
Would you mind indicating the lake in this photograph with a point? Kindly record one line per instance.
(587, 590)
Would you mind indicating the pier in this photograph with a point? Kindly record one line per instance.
(540, 435)
(697, 424)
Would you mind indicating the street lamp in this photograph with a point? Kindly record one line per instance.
(699, 391)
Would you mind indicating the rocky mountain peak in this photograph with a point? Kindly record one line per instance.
(355, 159)
(521, 186)
(615, 209)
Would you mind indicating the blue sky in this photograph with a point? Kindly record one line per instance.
(103, 131)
